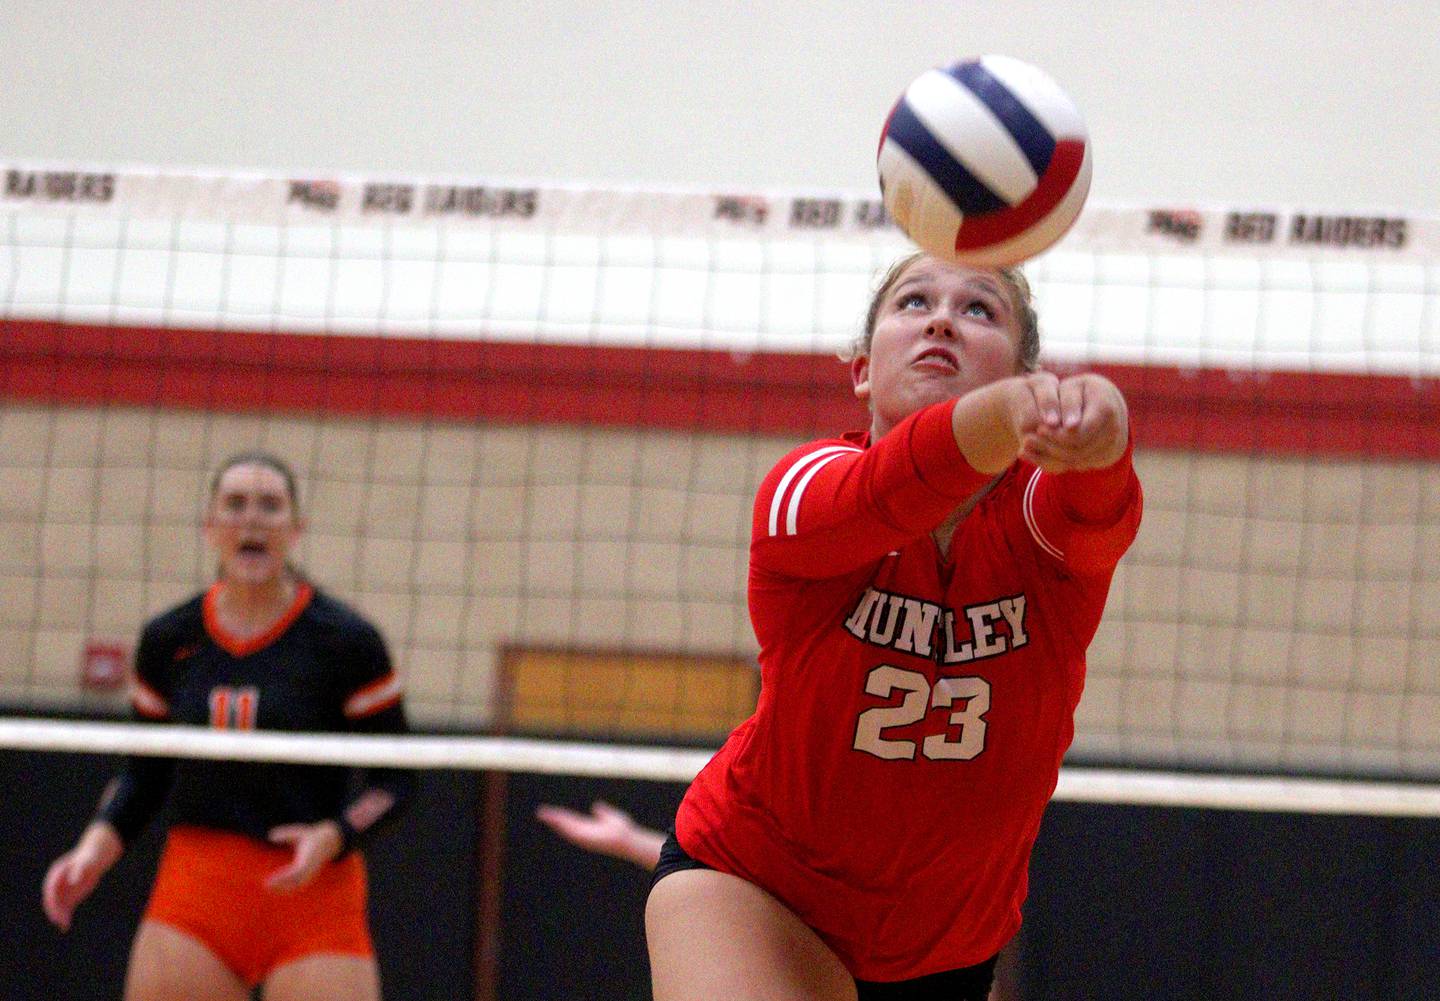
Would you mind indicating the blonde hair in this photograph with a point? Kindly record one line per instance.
(1021, 299)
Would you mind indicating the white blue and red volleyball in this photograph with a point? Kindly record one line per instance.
(985, 162)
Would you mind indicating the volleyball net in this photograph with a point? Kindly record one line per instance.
(529, 420)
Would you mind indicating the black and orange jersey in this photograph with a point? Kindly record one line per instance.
(322, 667)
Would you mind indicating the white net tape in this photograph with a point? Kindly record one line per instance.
(662, 764)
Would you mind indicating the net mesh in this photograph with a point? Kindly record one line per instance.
(529, 422)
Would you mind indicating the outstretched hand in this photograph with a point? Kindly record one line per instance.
(314, 845)
(1070, 424)
(605, 830)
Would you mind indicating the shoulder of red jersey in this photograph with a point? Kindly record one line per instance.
(777, 502)
(1083, 546)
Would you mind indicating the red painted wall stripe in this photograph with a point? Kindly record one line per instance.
(1294, 413)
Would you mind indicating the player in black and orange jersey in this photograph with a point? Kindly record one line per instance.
(259, 881)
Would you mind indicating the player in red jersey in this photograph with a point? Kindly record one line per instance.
(258, 882)
(923, 595)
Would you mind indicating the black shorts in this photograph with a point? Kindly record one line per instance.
(968, 983)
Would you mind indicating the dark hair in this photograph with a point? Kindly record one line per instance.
(1014, 280)
(259, 458)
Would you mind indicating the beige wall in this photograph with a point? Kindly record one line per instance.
(1273, 612)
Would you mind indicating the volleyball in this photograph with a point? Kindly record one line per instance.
(985, 162)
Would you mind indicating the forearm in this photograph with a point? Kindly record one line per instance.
(383, 793)
(375, 808)
(1060, 425)
(133, 798)
(985, 425)
(101, 843)
(642, 847)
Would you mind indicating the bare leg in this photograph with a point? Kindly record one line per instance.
(328, 975)
(167, 964)
(1007, 973)
(712, 935)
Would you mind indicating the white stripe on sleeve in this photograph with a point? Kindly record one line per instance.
(795, 470)
(374, 696)
(1030, 523)
(147, 701)
(794, 509)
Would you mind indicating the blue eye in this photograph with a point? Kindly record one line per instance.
(983, 307)
(912, 299)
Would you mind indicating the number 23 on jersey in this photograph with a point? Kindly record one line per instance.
(969, 697)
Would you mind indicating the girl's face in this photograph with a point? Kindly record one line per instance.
(252, 524)
(941, 331)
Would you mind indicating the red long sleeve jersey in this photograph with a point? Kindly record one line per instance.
(914, 705)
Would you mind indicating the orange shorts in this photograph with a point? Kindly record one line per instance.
(211, 885)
